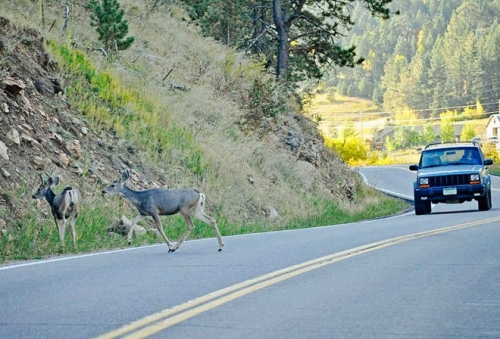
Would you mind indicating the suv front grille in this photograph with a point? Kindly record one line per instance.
(449, 180)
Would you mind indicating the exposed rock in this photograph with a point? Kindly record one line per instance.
(25, 101)
(57, 86)
(13, 86)
(294, 141)
(42, 87)
(57, 137)
(39, 163)
(43, 114)
(13, 135)
(16, 87)
(306, 171)
(251, 180)
(3, 151)
(26, 128)
(74, 148)
(272, 213)
(125, 227)
(63, 159)
(77, 170)
(5, 174)
(32, 142)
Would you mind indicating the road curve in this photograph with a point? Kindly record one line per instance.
(383, 278)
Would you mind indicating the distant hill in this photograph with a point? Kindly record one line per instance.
(436, 55)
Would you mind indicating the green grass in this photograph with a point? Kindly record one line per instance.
(36, 237)
(129, 114)
(191, 138)
(495, 169)
(138, 119)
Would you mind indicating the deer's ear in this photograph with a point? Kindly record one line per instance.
(54, 182)
(125, 175)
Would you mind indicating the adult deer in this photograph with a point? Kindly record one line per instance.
(65, 206)
(156, 202)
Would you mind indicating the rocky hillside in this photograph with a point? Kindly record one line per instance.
(40, 132)
(259, 170)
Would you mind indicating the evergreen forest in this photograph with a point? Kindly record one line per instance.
(428, 56)
(436, 55)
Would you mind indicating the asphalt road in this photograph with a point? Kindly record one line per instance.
(430, 276)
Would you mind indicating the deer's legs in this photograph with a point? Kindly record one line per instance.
(133, 222)
(61, 226)
(190, 228)
(73, 232)
(211, 221)
(156, 219)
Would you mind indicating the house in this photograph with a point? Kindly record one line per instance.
(493, 128)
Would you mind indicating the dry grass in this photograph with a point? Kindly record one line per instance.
(326, 104)
(246, 173)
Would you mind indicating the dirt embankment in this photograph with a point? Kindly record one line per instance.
(41, 132)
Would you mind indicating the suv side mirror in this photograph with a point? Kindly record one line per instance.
(413, 167)
(488, 162)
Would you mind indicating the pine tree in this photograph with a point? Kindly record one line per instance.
(107, 17)
(299, 39)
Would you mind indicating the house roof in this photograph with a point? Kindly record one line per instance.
(493, 119)
(389, 130)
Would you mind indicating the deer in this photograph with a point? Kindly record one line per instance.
(65, 206)
(156, 202)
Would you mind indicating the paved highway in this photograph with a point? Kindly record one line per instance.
(431, 276)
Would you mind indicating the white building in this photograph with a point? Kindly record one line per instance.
(493, 129)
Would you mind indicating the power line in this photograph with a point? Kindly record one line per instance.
(409, 122)
(350, 114)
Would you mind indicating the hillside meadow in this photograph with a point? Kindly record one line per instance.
(181, 111)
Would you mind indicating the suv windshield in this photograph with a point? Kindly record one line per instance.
(452, 156)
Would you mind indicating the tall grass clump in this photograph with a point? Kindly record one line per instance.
(127, 113)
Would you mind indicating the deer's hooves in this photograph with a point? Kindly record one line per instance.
(220, 250)
(171, 250)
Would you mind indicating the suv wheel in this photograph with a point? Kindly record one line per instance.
(422, 207)
(484, 203)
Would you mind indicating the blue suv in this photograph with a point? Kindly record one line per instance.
(451, 173)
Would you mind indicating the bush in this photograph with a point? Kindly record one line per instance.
(107, 17)
(351, 149)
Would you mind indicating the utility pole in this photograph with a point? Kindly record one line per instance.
(362, 132)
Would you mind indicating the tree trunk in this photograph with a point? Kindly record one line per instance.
(283, 48)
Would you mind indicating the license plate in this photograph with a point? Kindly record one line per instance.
(449, 191)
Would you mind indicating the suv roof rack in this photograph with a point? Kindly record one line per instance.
(463, 143)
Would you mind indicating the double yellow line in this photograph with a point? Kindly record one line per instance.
(157, 322)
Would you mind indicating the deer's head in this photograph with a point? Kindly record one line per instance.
(46, 185)
(117, 186)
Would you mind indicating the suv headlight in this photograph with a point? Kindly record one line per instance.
(475, 179)
(424, 182)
